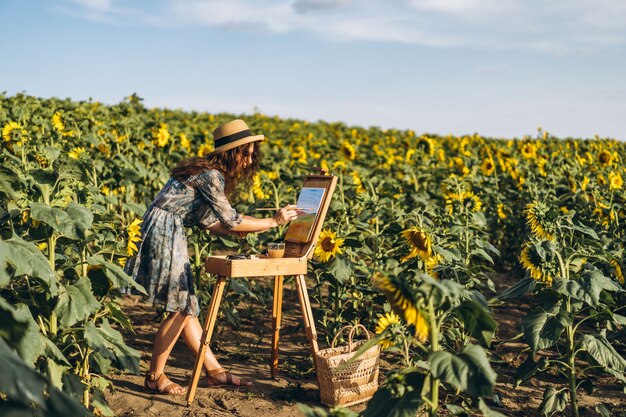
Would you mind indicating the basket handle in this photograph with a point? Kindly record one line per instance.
(352, 329)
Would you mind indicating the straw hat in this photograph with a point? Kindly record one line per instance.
(232, 134)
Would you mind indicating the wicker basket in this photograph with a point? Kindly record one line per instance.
(354, 383)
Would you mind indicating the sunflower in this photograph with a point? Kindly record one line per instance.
(605, 158)
(466, 199)
(584, 183)
(103, 148)
(347, 150)
(615, 180)
(384, 322)
(426, 145)
(419, 242)
(533, 264)
(459, 165)
(76, 152)
(257, 187)
(339, 166)
(134, 235)
(14, 132)
(529, 150)
(403, 303)
(618, 271)
(204, 149)
(541, 166)
(328, 245)
(42, 161)
(487, 167)
(122, 261)
(431, 263)
(161, 136)
(184, 142)
(501, 213)
(59, 124)
(299, 154)
(358, 183)
(535, 219)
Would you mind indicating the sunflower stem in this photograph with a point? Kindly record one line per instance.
(434, 347)
(571, 360)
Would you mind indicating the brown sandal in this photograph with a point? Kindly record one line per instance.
(213, 381)
(162, 384)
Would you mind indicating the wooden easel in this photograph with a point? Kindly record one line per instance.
(294, 263)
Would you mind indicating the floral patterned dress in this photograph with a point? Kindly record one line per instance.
(161, 265)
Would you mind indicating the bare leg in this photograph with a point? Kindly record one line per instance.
(192, 332)
(164, 341)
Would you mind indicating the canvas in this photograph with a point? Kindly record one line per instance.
(309, 202)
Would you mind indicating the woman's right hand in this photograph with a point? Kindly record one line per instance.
(286, 214)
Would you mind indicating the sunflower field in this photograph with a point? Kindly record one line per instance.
(419, 226)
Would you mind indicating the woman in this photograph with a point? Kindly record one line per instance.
(195, 195)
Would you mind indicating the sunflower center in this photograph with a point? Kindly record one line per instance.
(328, 244)
(420, 240)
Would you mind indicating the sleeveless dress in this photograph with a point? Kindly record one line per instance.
(161, 265)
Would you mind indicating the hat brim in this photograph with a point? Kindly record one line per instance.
(239, 142)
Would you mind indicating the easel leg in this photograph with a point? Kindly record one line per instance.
(276, 319)
(307, 314)
(205, 339)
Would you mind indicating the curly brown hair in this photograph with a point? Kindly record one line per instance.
(229, 163)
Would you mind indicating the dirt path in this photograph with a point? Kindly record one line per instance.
(246, 353)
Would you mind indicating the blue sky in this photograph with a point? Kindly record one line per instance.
(500, 68)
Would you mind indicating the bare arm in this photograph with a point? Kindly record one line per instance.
(253, 224)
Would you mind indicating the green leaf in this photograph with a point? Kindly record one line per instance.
(229, 243)
(587, 288)
(55, 373)
(482, 254)
(51, 351)
(340, 269)
(30, 345)
(9, 183)
(115, 274)
(469, 371)
(76, 302)
(603, 352)
(528, 369)
(385, 404)
(119, 316)
(73, 222)
(12, 326)
(477, 320)
(109, 343)
(519, 289)
(585, 230)
(25, 388)
(100, 405)
(543, 328)
(25, 259)
(553, 401)
(618, 319)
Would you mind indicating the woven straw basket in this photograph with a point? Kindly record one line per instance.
(354, 383)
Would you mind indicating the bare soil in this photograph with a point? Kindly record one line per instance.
(246, 352)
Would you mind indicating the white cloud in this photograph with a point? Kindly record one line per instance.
(556, 26)
(308, 5)
(96, 5)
